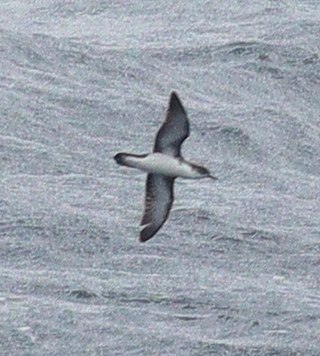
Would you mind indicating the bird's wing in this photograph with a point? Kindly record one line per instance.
(174, 130)
(158, 202)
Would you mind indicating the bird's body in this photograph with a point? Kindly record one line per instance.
(163, 166)
(159, 163)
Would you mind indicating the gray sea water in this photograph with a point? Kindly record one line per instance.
(236, 268)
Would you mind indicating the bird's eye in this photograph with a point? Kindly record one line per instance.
(203, 170)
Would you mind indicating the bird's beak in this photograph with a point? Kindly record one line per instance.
(212, 177)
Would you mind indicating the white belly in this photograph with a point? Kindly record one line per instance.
(159, 163)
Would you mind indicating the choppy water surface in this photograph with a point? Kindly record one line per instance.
(236, 269)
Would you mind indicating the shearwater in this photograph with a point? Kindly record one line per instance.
(163, 166)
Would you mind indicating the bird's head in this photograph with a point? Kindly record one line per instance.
(202, 172)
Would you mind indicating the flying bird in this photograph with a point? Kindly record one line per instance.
(163, 166)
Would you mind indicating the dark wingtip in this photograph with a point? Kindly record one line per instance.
(175, 103)
(174, 98)
(147, 233)
(174, 95)
(143, 238)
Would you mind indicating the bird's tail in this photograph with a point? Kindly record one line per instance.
(120, 158)
(127, 159)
